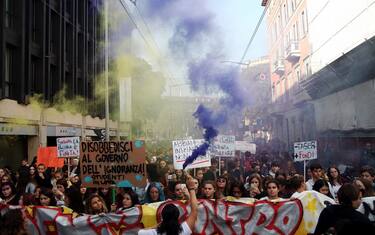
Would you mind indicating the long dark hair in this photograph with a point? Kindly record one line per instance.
(169, 224)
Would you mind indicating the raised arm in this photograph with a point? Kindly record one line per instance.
(193, 203)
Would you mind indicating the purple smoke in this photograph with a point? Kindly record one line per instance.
(208, 72)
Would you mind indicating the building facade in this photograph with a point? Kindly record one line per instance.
(46, 47)
(322, 71)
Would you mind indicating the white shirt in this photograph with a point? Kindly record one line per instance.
(185, 230)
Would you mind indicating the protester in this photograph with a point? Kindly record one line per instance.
(222, 187)
(9, 194)
(129, 199)
(365, 187)
(322, 187)
(170, 224)
(273, 189)
(237, 190)
(32, 183)
(256, 186)
(95, 205)
(368, 173)
(154, 194)
(335, 179)
(209, 190)
(13, 223)
(344, 218)
(47, 198)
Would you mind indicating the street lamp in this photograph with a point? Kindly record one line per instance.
(234, 62)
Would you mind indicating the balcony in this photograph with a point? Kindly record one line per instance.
(292, 52)
(278, 66)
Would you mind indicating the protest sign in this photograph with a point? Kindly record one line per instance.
(304, 151)
(109, 163)
(68, 147)
(48, 157)
(223, 146)
(293, 216)
(244, 146)
(182, 149)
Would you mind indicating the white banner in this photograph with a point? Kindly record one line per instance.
(304, 151)
(223, 146)
(182, 149)
(245, 146)
(68, 147)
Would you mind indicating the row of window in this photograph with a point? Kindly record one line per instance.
(290, 83)
(297, 31)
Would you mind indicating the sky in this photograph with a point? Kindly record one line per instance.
(238, 20)
(189, 31)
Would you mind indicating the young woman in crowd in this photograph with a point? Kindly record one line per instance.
(9, 194)
(129, 199)
(31, 185)
(335, 179)
(255, 186)
(95, 205)
(222, 187)
(273, 189)
(154, 194)
(59, 190)
(170, 214)
(47, 198)
(209, 190)
(322, 187)
(237, 190)
(13, 223)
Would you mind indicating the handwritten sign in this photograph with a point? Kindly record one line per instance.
(304, 151)
(182, 149)
(48, 157)
(223, 146)
(68, 147)
(244, 146)
(113, 163)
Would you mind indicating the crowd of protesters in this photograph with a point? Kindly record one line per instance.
(259, 177)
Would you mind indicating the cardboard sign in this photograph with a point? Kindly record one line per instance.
(244, 146)
(104, 164)
(304, 151)
(223, 146)
(68, 147)
(182, 149)
(48, 157)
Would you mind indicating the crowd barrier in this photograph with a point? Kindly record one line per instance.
(244, 216)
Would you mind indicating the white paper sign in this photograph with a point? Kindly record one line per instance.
(68, 147)
(304, 151)
(244, 146)
(182, 149)
(223, 146)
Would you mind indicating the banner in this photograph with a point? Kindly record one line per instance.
(223, 146)
(68, 147)
(104, 164)
(48, 157)
(294, 216)
(304, 151)
(245, 146)
(182, 149)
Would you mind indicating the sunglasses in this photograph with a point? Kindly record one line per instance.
(221, 180)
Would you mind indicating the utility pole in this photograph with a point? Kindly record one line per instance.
(106, 71)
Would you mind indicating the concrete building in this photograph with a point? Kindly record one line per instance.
(322, 72)
(45, 46)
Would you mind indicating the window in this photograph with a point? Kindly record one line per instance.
(304, 23)
(8, 72)
(9, 13)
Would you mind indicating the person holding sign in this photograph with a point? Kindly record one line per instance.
(170, 214)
